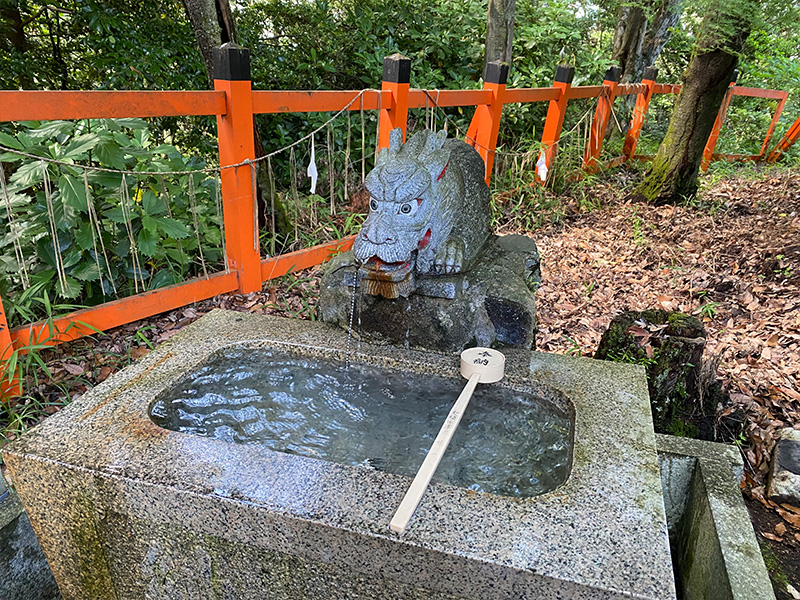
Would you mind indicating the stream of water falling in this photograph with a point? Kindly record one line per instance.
(350, 326)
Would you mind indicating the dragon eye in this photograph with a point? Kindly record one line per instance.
(406, 208)
(373, 204)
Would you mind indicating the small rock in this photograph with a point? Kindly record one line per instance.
(784, 480)
(792, 591)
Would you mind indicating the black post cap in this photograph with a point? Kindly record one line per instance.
(650, 73)
(496, 72)
(397, 68)
(231, 62)
(565, 74)
(735, 76)
(613, 74)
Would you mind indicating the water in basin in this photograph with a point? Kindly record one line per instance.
(509, 442)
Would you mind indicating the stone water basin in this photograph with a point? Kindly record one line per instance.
(127, 509)
(510, 442)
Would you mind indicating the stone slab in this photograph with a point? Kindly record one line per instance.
(125, 509)
(24, 574)
(713, 540)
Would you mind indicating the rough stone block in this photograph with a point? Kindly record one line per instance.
(492, 304)
(784, 479)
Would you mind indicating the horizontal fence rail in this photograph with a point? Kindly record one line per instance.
(43, 106)
(234, 104)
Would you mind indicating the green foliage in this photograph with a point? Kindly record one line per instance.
(146, 226)
(27, 365)
(96, 44)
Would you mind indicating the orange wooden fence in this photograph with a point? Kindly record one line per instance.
(234, 104)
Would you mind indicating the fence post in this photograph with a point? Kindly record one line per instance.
(639, 113)
(772, 123)
(602, 115)
(556, 111)
(708, 151)
(396, 79)
(236, 144)
(8, 389)
(485, 125)
(787, 141)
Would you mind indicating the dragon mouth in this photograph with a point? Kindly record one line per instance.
(391, 271)
(389, 279)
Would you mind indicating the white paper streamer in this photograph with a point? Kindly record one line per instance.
(312, 168)
(541, 167)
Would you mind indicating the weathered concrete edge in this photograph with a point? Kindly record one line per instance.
(720, 467)
(10, 505)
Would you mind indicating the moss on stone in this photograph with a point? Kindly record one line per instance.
(779, 578)
(95, 576)
(675, 341)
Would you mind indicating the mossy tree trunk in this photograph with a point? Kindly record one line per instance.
(673, 174)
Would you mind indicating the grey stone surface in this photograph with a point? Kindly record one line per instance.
(490, 305)
(24, 573)
(125, 509)
(784, 477)
(713, 541)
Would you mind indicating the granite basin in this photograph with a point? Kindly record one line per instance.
(126, 509)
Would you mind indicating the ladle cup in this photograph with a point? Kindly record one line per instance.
(478, 365)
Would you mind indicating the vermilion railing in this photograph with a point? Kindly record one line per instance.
(234, 103)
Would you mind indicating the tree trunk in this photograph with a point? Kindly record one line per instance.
(213, 24)
(673, 174)
(637, 44)
(657, 36)
(12, 36)
(628, 39)
(499, 31)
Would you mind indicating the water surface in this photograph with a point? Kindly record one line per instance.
(509, 442)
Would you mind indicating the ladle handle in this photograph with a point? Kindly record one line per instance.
(423, 477)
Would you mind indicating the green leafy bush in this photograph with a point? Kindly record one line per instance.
(132, 233)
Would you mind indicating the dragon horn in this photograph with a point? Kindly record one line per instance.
(395, 140)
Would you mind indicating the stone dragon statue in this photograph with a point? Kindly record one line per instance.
(429, 212)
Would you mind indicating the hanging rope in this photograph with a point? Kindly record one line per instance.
(254, 184)
(126, 214)
(363, 145)
(94, 225)
(193, 207)
(347, 158)
(331, 190)
(271, 179)
(51, 216)
(12, 224)
(221, 218)
(244, 163)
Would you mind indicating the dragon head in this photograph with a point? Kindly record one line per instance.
(408, 216)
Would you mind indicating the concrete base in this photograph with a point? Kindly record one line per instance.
(127, 510)
(713, 543)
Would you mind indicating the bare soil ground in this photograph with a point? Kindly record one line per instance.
(730, 257)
